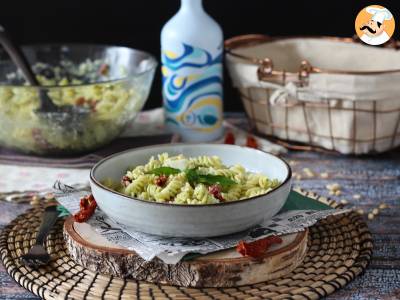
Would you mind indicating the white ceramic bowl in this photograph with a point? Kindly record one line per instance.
(191, 220)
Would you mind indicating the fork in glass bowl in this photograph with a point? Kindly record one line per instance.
(37, 256)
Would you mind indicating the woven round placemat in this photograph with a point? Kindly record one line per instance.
(339, 249)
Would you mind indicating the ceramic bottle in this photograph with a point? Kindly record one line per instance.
(191, 55)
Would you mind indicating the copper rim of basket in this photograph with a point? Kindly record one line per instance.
(266, 69)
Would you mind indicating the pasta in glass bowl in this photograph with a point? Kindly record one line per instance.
(200, 190)
(110, 83)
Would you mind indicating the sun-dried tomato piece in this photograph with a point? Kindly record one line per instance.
(81, 216)
(229, 138)
(257, 248)
(92, 104)
(104, 69)
(125, 180)
(216, 190)
(87, 202)
(251, 142)
(161, 180)
(80, 101)
(87, 207)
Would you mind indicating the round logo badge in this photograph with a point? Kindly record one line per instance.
(374, 25)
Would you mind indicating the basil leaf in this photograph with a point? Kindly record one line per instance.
(164, 171)
(225, 182)
(194, 177)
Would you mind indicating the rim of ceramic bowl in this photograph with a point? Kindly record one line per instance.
(99, 163)
(151, 68)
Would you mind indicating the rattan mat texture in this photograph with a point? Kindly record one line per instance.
(339, 249)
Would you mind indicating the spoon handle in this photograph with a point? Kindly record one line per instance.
(17, 57)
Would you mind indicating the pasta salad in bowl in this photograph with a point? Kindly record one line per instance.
(191, 190)
(191, 180)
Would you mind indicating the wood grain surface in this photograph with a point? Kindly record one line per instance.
(375, 178)
(220, 269)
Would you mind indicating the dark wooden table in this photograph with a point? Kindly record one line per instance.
(375, 178)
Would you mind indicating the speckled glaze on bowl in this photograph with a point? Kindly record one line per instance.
(191, 220)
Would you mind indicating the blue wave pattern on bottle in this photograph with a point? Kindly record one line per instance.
(192, 88)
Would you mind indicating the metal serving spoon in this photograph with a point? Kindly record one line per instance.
(67, 116)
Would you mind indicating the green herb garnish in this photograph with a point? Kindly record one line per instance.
(164, 171)
(194, 177)
(225, 182)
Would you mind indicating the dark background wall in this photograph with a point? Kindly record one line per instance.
(137, 23)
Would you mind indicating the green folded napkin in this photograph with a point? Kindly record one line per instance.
(63, 212)
(297, 201)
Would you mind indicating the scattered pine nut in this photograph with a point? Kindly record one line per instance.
(344, 201)
(324, 175)
(336, 186)
(357, 196)
(383, 206)
(35, 200)
(308, 172)
(49, 196)
(338, 193)
(375, 211)
(371, 216)
(331, 193)
(360, 211)
(298, 177)
(333, 187)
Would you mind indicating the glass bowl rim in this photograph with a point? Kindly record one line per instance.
(152, 66)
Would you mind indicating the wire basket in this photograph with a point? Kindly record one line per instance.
(353, 111)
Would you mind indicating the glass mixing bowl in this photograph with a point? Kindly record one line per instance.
(111, 84)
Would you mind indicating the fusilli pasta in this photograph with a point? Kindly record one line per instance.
(194, 180)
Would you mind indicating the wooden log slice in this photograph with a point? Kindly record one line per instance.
(220, 269)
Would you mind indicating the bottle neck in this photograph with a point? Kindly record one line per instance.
(191, 6)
